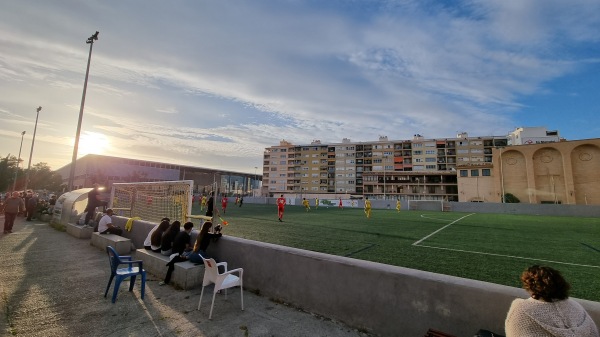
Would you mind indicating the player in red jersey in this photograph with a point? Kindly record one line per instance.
(280, 207)
(224, 203)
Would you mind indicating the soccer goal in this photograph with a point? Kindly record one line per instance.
(428, 205)
(153, 201)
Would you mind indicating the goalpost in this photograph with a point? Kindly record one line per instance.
(428, 205)
(152, 201)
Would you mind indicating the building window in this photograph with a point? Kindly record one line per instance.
(486, 172)
(474, 173)
(464, 173)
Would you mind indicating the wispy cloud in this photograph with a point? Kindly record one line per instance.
(208, 82)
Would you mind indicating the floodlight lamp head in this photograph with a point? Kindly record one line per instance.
(39, 109)
(93, 37)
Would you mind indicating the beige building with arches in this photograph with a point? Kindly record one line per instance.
(565, 172)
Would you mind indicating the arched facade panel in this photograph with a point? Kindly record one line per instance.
(548, 171)
(585, 160)
(514, 169)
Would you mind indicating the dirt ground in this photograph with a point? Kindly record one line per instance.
(52, 284)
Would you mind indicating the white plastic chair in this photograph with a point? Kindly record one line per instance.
(220, 280)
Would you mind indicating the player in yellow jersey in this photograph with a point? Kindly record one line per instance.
(398, 205)
(317, 203)
(202, 202)
(368, 207)
(305, 204)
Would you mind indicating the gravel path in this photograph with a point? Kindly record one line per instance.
(52, 284)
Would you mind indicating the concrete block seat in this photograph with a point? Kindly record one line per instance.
(120, 244)
(79, 232)
(186, 274)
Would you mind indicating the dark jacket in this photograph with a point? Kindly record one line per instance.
(182, 239)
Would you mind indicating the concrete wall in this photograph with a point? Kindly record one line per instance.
(531, 209)
(382, 299)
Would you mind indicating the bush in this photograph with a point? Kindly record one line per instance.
(509, 198)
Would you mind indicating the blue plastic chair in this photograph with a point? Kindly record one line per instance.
(123, 273)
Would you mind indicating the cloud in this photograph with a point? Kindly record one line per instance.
(224, 80)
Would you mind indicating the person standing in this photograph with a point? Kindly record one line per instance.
(93, 202)
(224, 203)
(280, 207)
(368, 207)
(241, 201)
(398, 205)
(316, 202)
(210, 204)
(202, 202)
(341, 205)
(549, 311)
(12, 207)
(31, 205)
(105, 225)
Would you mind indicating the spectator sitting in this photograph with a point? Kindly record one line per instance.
(166, 243)
(549, 312)
(152, 237)
(105, 225)
(181, 245)
(202, 242)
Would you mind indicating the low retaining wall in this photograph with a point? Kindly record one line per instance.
(382, 299)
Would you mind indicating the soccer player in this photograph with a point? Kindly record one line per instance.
(368, 207)
(305, 204)
(340, 205)
(317, 203)
(202, 202)
(224, 203)
(398, 205)
(280, 207)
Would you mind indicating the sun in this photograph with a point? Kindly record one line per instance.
(92, 142)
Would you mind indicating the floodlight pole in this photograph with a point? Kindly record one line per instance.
(18, 161)
(89, 41)
(31, 152)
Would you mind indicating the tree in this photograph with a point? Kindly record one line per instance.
(8, 165)
(41, 177)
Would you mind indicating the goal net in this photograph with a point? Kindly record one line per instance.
(153, 201)
(428, 205)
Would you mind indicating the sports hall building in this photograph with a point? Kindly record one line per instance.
(107, 170)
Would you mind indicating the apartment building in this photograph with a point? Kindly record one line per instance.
(416, 169)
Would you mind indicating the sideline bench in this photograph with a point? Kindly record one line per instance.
(186, 274)
(120, 244)
(79, 231)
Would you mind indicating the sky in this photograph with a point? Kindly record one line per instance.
(214, 83)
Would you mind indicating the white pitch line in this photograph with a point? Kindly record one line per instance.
(510, 256)
(430, 235)
(427, 217)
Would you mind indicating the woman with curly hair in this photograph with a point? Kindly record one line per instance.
(549, 312)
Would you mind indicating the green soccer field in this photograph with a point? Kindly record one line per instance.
(488, 247)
